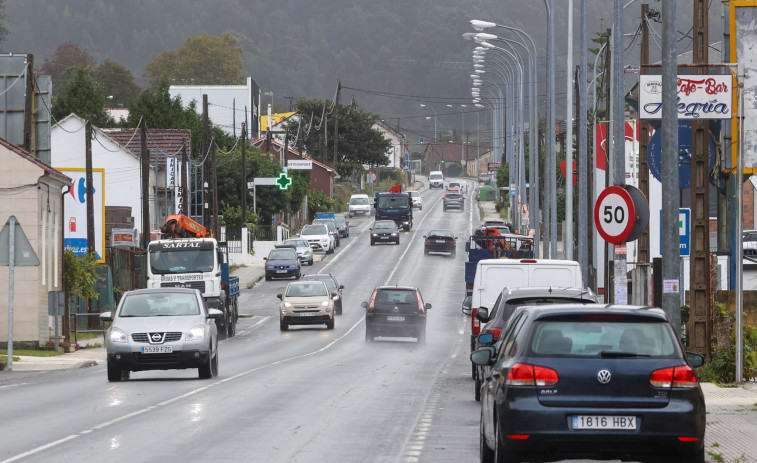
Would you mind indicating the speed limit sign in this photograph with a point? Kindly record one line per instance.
(614, 214)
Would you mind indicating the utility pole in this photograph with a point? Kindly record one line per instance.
(90, 185)
(145, 164)
(643, 242)
(700, 292)
(184, 181)
(214, 189)
(584, 194)
(609, 263)
(336, 123)
(245, 191)
(206, 220)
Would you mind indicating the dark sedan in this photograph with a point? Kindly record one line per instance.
(591, 382)
(453, 200)
(440, 241)
(333, 286)
(282, 263)
(384, 231)
(396, 311)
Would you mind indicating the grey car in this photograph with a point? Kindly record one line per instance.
(161, 329)
(453, 201)
(301, 247)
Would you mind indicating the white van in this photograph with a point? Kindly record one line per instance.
(359, 204)
(436, 179)
(492, 275)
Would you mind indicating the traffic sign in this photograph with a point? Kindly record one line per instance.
(614, 214)
(370, 177)
(684, 231)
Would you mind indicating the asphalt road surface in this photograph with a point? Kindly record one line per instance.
(306, 395)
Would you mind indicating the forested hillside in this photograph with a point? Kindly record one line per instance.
(401, 51)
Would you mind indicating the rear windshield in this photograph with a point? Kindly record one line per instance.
(597, 337)
(396, 296)
(453, 196)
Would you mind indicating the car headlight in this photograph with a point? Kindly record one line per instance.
(288, 305)
(196, 333)
(325, 303)
(336, 298)
(374, 234)
(394, 234)
(116, 335)
(269, 267)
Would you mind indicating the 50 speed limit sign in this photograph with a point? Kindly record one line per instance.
(614, 214)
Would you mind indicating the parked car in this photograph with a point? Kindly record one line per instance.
(318, 237)
(396, 311)
(440, 240)
(453, 200)
(495, 321)
(301, 247)
(591, 382)
(333, 229)
(384, 231)
(749, 242)
(306, 303)
(484, 178)
(161, 329)
(359, 204)
(417, 199)
(332, 285)
(282, 263)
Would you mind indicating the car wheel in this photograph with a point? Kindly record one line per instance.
(422, 336)
(267, 277)
(425, 251)
(116, 374)
(330, 324)
(214, 365)
(232, 327)
(283, 326)
(454, 252)
(351, 215)
(206, 371)
(398, 241)
(474, 373)
(310, 262)
(420, 208)
(368, 336)
(339, 309)
(500, 454)
(444, 209)
(477, 389)
(696, 456)
(372, 243)
(486, 455)
(223, 329)
(297, 275)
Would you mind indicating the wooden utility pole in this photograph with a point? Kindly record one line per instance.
(214, 190)
(90, 185)
(206, 219)
(336, 123)
(184, 183)
(145, 164)
(643, 257)
(28, 105)
(245, 191)
(700, 293)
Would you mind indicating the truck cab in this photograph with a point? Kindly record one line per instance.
(395, 206)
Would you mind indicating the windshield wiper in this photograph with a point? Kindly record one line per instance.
(618, 354)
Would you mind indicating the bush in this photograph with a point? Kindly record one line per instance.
(722, 366)
(318, 202)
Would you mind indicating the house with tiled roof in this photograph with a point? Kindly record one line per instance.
(476, 157)
(322, 176)
(32, 192)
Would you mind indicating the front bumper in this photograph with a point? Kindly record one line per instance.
(176, 360)
(279, 273)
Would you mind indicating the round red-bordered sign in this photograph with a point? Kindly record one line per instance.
(614, 214)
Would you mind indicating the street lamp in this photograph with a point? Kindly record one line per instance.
(432, 109)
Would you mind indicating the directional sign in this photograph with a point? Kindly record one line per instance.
(264, 181)
(614, 214)
(370, 177)
(284, 181)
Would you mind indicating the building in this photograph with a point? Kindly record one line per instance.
(32, 191)
(397, 153)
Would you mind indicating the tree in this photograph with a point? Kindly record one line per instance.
(68, 56)
(81, 96)
(201, 60)
(117, 83)
(359, 142)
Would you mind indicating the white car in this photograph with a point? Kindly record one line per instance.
(360, 204)
(417, 199)
(318, 237)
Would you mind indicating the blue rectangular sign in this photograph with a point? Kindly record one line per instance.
(684, 231)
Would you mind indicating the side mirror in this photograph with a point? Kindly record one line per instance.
(341, 286)
(425, 236)
(106, 316)
(334, 294)
(486, 339)
(215, 313)
(482, 314)
(483, 355)
(466, 305)
(364, 305)
(265, 258)
(467, 246)
(694, 359)
(427, 306)
(280, 296)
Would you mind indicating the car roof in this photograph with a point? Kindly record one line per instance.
(547, 291)
(403, 288)
(161, 290)
(439, 231)
(385, 221)
(547, 311)
(317, 276)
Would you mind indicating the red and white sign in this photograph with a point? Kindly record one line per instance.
(614, 214)
(699, 96)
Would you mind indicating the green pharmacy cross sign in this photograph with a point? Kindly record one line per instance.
(283, 181)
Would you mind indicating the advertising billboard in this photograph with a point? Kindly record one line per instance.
(75, 212)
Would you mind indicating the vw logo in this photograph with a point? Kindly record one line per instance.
(396, 309)
(604, 376)
(156, 337)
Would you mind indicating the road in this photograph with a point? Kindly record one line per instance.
(306, 395)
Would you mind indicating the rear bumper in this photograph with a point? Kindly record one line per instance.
(409, 328)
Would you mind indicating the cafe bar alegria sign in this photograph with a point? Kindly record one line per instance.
(699, 96)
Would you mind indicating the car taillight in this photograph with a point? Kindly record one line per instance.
(523, 374)
(475, 327)
(496, 332)
(421, 309)
(373, 298)
(682, 377)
